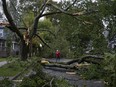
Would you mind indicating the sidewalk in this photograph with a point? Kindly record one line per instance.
(3, 63)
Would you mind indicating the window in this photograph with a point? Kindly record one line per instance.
(2, 46)
(1, 35)
(1, 32)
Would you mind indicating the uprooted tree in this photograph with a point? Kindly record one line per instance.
(32, 30)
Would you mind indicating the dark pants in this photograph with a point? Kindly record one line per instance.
(57, 59)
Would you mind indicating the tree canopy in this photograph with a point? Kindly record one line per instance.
(78, 25)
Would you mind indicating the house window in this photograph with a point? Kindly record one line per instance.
(114, 46)
(1, 35)
(2, 44)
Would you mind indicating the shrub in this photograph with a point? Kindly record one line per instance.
(6, 83)
(105, 71)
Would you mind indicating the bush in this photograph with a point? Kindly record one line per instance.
(6, 83)
(93, 72)
(28, 82)
(61, 83)
(41, 79)
(105, 71)
(109, 66)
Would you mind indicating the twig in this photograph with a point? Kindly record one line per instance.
(48, 83)
(45, 84)
(10, 20)
(51, 82)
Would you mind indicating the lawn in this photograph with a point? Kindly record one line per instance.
(3, 59)
(12, 69)
(7, 59)
(14, 66)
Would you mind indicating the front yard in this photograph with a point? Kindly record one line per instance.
(13, 67)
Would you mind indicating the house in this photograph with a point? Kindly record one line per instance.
(5, 49)
(112, 43)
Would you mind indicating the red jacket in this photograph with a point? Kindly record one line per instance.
(58, 54)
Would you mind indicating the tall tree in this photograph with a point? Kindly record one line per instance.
(82, 31)
(29, 35)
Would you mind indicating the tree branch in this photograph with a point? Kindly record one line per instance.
(70, 5)
(17, 11)
(71, 14)
(42, 40)
(35, 24)
(61, 11)
(51, 82)
(48, 31)
(12, 27)
(61, 66)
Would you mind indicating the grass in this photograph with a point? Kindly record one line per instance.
(7, 59)
(3, 59)
(14, 66)
(11, 69)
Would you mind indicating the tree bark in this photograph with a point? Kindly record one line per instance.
(61, 66)
(24, 50)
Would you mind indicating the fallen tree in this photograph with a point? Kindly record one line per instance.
(68, 67)
(84, 59)
(61, 66)
(89, 59)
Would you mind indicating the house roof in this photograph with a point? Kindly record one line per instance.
(4, 23)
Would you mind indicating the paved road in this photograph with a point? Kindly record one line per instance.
(61, 60)
(73, 79)
(3, 63)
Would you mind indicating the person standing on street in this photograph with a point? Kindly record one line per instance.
(57, 55)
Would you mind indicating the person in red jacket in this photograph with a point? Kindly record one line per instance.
(57, 55)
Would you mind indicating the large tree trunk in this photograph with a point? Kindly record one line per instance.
(24, 50)
(30, 49)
